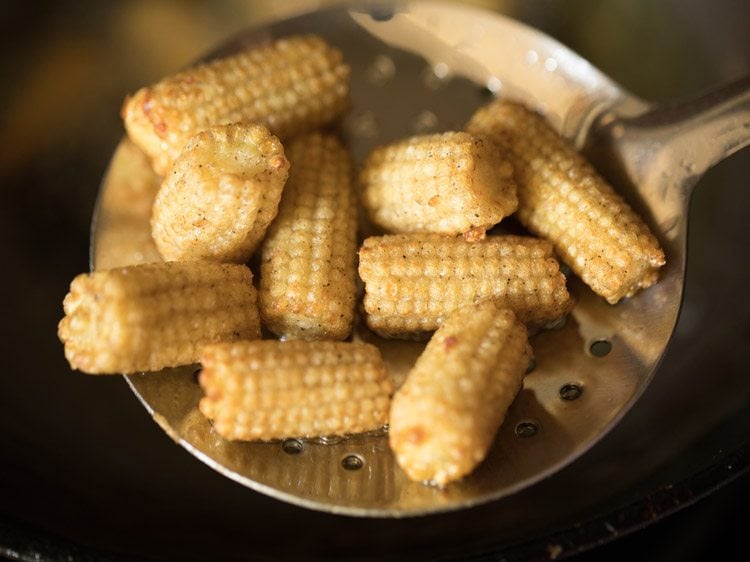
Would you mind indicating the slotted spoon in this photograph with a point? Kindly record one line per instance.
(426, 66)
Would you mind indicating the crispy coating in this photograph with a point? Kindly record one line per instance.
(450, 183)
(414, 281)
(445, 416)
(292, 85)
(220, 195)
(151, 316)
(260, 390)
(563, 199)
(308, 260)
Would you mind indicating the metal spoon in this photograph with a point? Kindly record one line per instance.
(426, 66)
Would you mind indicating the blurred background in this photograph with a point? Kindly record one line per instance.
(85, 474)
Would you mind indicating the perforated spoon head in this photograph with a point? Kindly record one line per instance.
(420, 67)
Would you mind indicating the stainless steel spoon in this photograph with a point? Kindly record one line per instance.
(426, 66)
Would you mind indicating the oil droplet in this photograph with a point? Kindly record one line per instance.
(494, 84)
(424, 122)
(607, 118)
(689, 167)
(550, 64)
(329, 440)
(382, 69)
(618, 131)
(441, 70)
(532, 57)
(435, 76)
(364, 125)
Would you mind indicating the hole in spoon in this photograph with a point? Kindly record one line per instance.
(485, 93)
(600, 348)
(352, 462)
(292, 446)
(571, 391)
(526, 429)
(381, 13)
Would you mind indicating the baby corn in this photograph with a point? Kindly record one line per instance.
(445, 416)
(270, 389)
(450, 183)
(292, 85)
(220, 195)
(308, 260)
(147, 317)
(414, 281)
(563, 199)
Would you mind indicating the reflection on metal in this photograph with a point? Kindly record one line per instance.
(653, 156)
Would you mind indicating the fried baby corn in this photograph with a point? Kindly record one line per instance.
(220, 195)
(292, 85)
(445, 416)
(271, 389)
(308, 260)
(563, 199)
(450, 183)
(147, 317)
(414, 281)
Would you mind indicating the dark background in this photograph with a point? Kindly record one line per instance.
(85, 473)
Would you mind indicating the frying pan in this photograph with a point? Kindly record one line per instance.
(84, 472)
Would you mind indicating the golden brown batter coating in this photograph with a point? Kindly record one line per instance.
(292, 85)
(445, 416)
(308, 260)
(221, 194)
(563, 199)
(414, 281)
(261, 390)
(151, 316)
(450, 183)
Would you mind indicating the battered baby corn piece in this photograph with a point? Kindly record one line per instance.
(292, 85)
(271, 389)
(450, 183)
(563, 199)
(414, 281)
(445, 416)
(308, 260)
(220, 195)
(150, 316)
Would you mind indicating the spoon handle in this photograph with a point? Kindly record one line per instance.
(683, 139)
